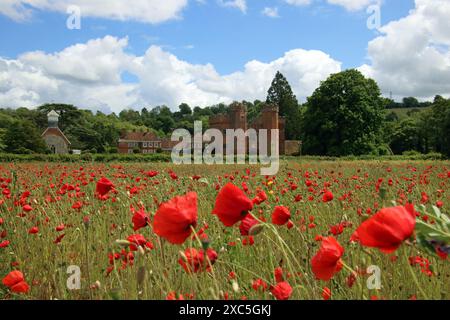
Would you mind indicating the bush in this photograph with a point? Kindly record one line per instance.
(86, 157)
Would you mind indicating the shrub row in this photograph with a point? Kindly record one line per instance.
(166, 157)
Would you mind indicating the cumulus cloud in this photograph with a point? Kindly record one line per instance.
(148, 11)
(354, 5)
(238, 4)
(411, 57)
(90, 76)
(270, 12)
(350, 5)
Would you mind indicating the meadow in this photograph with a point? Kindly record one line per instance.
(56, 218)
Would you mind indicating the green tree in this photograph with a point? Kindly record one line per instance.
(410, 102)
(344, 116)
(280, 93)
(23, 137)
(438, 125)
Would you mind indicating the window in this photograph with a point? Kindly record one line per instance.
(150, 144)
(144, 144)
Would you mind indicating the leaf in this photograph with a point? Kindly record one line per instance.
(437, 212)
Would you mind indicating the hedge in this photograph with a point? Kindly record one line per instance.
(166, 157)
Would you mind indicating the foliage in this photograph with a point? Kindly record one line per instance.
(344, 116)
(280, 93)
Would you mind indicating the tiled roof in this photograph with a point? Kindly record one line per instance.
(140, 136)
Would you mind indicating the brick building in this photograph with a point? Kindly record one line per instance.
(143, 142)
(236, 118)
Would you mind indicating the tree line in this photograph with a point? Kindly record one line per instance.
(346, 115)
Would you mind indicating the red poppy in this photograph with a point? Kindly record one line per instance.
(387, 229)
(282, 291)
(327, 262)
(27, 208)
(174, 219)
(232, 205)
(280, 215)
(260, 198)
(193, 260)
(4, 244)
(140, 219)
(259, 284)
(326, 293)
(16, 282)
(33, 230)
(279, 274)
(138, 240)
(104, 186)
(327, 196)
(247, 224)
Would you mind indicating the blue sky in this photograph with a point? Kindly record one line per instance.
(210, 33)
(211, 51)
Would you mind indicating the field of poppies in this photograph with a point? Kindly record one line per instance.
(318, 230)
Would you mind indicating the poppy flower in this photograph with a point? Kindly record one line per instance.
(247, 224)
(15, 281)
(327, 262)
(280, 215)
(327, 196)
(279, 274)
(260, 198)
(104, 186)
(174, 219)
(232, 205)
(4, 244)
(138, 240)
(326, 293)
(259, 284)
(140, 219)
(27, 208)
(387, 229)
(193, 260)
(282, 291)
(33, 230)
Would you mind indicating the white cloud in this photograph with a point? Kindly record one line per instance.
(148, 11)
(270, 12)
(353, 5)
(350, 5)
(412, 56)
(298, 2)
(238, 4)
(89, 75)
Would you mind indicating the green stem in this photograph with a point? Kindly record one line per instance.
(413, 274)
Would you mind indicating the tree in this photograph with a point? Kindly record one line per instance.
(23, 137)
(438, 125)
(410, 102)
(344, 116)
(280, 93)
(185, 110)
